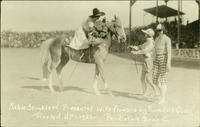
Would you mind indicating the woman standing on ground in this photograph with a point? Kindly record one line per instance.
(162, 62)
(146, 50)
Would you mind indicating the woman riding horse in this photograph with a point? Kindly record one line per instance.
(56, 55)
(80, 40)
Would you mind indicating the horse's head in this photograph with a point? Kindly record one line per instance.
(117, 29)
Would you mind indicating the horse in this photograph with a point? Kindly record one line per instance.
(55, 55)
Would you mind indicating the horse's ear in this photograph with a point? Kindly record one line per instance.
(115, 17)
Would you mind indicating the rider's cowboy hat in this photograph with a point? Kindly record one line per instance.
(149, 32)
(97, 13)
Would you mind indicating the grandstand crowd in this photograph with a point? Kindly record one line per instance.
(30, 39)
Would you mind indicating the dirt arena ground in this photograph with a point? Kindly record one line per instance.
(27, 102)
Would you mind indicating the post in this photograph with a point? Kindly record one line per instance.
(181, 8)
(199, 19)
(166, 17)
(130, 13)
(156, 11)
(198, 2)
(199, 8)
(178, 38)
(166, 5)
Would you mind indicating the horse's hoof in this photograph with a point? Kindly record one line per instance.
(106, 86)
(44, 79)
(98, 93)
(52, 90)
(157, 97)
(111, 94)
(145, 95)
(61, 89)
(162, 101)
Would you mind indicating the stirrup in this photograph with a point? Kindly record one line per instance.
(81, 57)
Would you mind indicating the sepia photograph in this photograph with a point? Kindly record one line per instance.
(100, 63)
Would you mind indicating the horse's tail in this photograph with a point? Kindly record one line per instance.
(46, 57)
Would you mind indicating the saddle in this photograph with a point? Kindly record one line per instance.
(87, 55)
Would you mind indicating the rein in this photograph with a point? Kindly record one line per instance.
(112, 31)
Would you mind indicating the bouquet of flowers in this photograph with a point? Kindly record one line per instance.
(100, 29)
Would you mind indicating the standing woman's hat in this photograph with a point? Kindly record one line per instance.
(97, 13)
(149, 32)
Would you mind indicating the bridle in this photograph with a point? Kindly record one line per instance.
(112, 29)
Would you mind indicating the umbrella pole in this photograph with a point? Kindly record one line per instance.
(156, 11)
(130, 14)
(199, 19)
(166, 17)
(178, 38)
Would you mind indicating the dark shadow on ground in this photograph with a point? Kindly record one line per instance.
(176, 62)
(75, 88)
(68, 88)
(127, 95)
(35, 87)
(31, 78)
(133, 96)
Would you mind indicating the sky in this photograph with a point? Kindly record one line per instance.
(67, 15)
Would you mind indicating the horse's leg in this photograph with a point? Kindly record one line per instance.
(45, 71)
(96, 81)
(101, 74)
(48, 67)
(46, 61)
(64, 61)
(51, 82)
(55, 61)
(53, 67)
